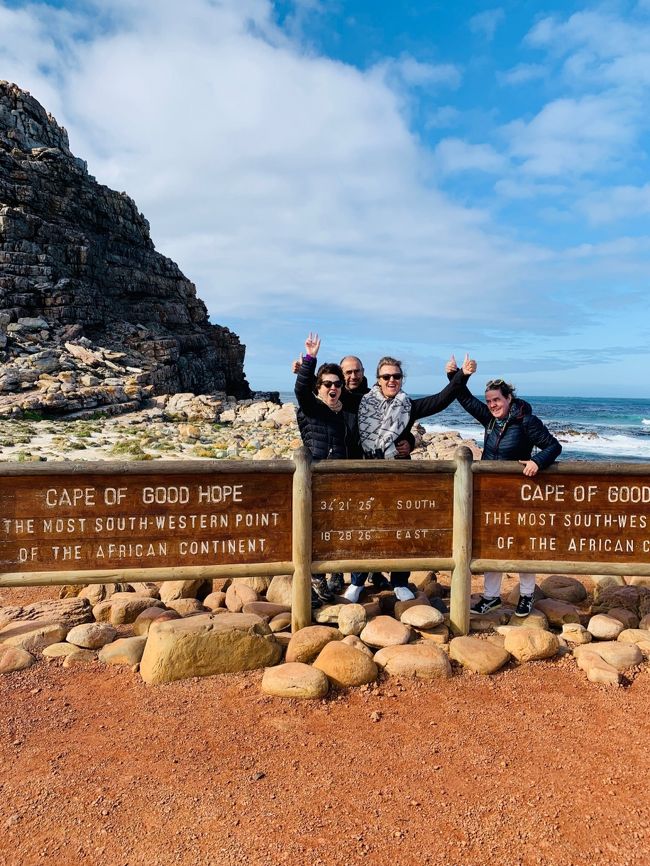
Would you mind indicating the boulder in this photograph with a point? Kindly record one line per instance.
(32, 636)
(170, 590)
(124, 651)
(306, 643)
(280, 622)
(596, 668)
(279, 591)
(530, 644)
(352, 619)
(385, 631)
(257, 584)
(67, 612)
(604, 627)
(575, 633)
(644, 622)
(295, 680)
(563, 588)
(478, 655)
(59, 650)
(399, 607)
(208, 644)
(346, 666)
(356, 642)
(621, 656)
(439, 634)
(424, 660)
(151, 614)
(557, 612)
(215, 600)
(638, 636)
(186, 606)
(604, 582)
(78, 657)
(238, 594)
(627, 617)
(422, 616)
(123, 608)
(265, 609)
(14, 659)
(535, 619)
(91, 635)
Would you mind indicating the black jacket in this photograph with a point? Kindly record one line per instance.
(516, 439)
(327, 434)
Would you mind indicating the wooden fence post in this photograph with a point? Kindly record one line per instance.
(461, 578)
(301, 541)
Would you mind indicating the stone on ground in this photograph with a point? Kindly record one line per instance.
(215, 600)
(638, 636)
(186, 606)
(207, 644)
(478, 655)
(124, 651)
(356, 642)
(280, 621)
(596, 668)
(557, 612)
(530, 644)
(170, 590)
(59, 650)
(425, 661)
(328, 614)
(265, 609)
(68, 612)
(306, 643)
(14, 659)
(627, 617)
(352, 619)
(575, 633)
(535, 619)
(123, 608)
(258, 584)
(604, 582)
(438, 635)
(295, 680)
(238, 594)
(346, 666)
(279, 591)
(563, 588)
(422, 616)
(91, 635)
(151, 614)
(79, 657)
(385, 631)
(32, 637)
(621, 656)
(604, 627)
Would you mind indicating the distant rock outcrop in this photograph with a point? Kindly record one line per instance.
(91, 316)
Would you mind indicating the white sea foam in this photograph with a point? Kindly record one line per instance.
(615, 446)
(646, 421)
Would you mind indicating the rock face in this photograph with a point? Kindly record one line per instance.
(91, 316)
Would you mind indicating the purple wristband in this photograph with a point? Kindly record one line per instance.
(308, 358)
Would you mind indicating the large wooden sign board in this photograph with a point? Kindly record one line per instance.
(99, 522)
(562, 517)
(373, 516)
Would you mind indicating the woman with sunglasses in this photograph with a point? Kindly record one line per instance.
(511, 433)
(386, 414)
(328, 430)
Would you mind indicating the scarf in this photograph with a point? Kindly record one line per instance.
(382, 420)
(337, 406)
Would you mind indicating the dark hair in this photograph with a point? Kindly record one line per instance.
(327, 368)
(506, 389)
(387, 361)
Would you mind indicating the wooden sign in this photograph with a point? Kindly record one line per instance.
(602, 518)
(97, 522)
(373, 516)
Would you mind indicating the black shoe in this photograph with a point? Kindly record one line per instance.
(483, 605)
(315, 600)
(524, 605)
(336, 584)
(322, 590)
(379, 582)
(438, 604)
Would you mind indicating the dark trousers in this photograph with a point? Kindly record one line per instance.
(397, 578)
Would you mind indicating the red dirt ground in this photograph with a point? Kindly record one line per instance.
(531, 766)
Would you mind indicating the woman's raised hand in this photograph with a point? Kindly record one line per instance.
(469, 365)
(451, 366)
(312, 344)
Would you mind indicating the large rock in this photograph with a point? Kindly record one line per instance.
(151, 614)
(123, 651)
(627, 617)
(530, 644)
(638, 636)
(422, 616)
(32, 636)
(259, 584)
(346, 666)
(621, 656)
(91, 635)
(478, 655)
(306, 643)
(279, 591)
(604, 627)
(575, 633)
(208, 644)
(557, 612)
(535, 619)
(14, 659)
(123, 608)
(295, 680)
(385, 631)
(563, 588)
(352, 619)
(68, 612)
(170, 590)
(424, 660)
(596, 668)
(238, 594)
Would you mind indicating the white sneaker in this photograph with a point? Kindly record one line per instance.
(353, 592)
(403, 593)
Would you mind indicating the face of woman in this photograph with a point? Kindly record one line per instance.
(498, 405)
(390, 380)
(329, 389)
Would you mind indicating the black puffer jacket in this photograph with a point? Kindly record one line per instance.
(515, 439)
(328, 435)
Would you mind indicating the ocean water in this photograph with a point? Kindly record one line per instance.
(589, 428)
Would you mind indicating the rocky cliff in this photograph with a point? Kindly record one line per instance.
(91, 316)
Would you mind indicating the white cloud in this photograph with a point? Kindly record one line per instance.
(409, 72)
(487, 22)
(523, 73)
(616, 203)
(454, 155)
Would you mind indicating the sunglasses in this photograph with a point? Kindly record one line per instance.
(387, 376)
(494, 383)
(335, 384)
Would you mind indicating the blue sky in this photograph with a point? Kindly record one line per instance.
(411, 178)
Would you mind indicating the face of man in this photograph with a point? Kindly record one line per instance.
(352, 372)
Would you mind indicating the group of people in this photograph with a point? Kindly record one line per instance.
(340, 416)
